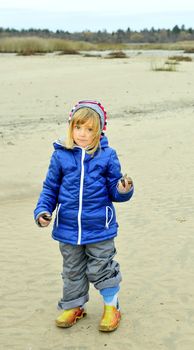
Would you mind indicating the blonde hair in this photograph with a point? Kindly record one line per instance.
(85, 116)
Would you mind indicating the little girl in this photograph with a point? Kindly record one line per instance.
(83, 179)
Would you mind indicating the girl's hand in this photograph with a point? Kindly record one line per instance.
(44, 220)
(125, 184)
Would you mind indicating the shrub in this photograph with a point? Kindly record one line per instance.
(180, 58)
(116, 54)
(189, 50)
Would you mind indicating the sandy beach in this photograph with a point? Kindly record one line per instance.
(151, 125)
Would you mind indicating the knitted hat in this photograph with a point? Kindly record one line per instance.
(96, 106)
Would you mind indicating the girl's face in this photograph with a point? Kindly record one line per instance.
(83, 134)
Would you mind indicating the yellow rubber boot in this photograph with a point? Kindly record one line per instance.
(110, 319)
(69, 317)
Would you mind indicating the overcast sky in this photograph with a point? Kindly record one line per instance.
(78, 15)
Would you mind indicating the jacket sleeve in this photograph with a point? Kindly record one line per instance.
(49, 195)
(113, 176)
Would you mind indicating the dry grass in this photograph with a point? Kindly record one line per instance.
(180, 58)
(189, 50)
(116, 54)
(167, 66)
(37, 45)
(179, 45)
(34, 45)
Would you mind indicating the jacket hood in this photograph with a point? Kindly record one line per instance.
(60, 143)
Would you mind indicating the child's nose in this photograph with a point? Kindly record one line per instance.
(82, 131)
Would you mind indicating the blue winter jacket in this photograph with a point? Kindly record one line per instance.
(82, 187)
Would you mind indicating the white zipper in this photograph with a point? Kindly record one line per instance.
(108, 221)
(81, 197)
(57, 215)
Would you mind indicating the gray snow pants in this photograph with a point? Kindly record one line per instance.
(83, 264)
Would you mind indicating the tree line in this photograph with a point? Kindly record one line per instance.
(120, 36)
